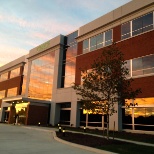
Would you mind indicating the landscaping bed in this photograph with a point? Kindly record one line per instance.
(104, 144)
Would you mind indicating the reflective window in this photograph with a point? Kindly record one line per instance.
(137, 67)
(148, 61)
(12, 92)
(125, 30)
(93, 43)
(86, 46)
(98, 41)
(71, 52)
(41, 77)
(142, 114)
(108, 37)
(143, 65)
(147, 22)
(69, 62)
(24, 79)
(2, 94)
(139, 25)
(15, 72)
(4, 76)
(71, 37)
(144, 119)
(70, 72)
(142, 101)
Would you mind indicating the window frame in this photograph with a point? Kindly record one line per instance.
(131, 26)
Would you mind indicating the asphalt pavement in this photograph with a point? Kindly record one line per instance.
(15, 139)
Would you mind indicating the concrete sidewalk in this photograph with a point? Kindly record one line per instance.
(85, 147)
(38, 140)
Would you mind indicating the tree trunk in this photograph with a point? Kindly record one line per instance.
(107, 126)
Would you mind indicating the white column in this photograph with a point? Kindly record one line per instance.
(117, 118)
(87, 119)
(75, 114)
(54, 114)
(102, 122)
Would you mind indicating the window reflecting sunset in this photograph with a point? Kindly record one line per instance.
(41, 77)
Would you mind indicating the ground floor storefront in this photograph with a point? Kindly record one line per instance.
(135, 115)
(25, 111)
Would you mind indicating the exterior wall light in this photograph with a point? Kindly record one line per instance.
(84, 128)
(64, 132)
(59, 129)
(39, 123)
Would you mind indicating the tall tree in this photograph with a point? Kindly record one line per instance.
(106, 83)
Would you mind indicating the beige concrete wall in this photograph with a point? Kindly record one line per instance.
(47, 45)
(120, 15)
(13, 64)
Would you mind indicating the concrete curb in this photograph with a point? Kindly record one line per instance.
(90, 148)
(72, 144)
(118, 139)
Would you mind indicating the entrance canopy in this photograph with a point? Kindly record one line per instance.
(21, 99)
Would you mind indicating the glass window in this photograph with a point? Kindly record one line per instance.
(69, 60)
(142, 24)
(41, 77)
(71, 52)
(148, 22)
(2, 94)
(108, 37)
(12, 92)
(99, 40)
(24, 79)
(137, 64)
(70, 72)
(15, 72)
(71, 37)
(4, 76)
(137, 26)
(148, 64)
(86, 46)
(137, 67)
(92, 43)
(144, 101)
(144, 65)
(148, 61)
(144, 119)
(125, 30)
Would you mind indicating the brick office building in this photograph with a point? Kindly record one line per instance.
(40, 90)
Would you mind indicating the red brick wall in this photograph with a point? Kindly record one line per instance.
(138, 46)
(80, 46)
(37, 114)
(134, 47)
(117, 33)
(146, 84)
(11, 83)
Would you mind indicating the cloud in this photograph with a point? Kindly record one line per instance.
(10, 53)
(26, 24)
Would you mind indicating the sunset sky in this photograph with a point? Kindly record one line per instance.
(25, 24)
